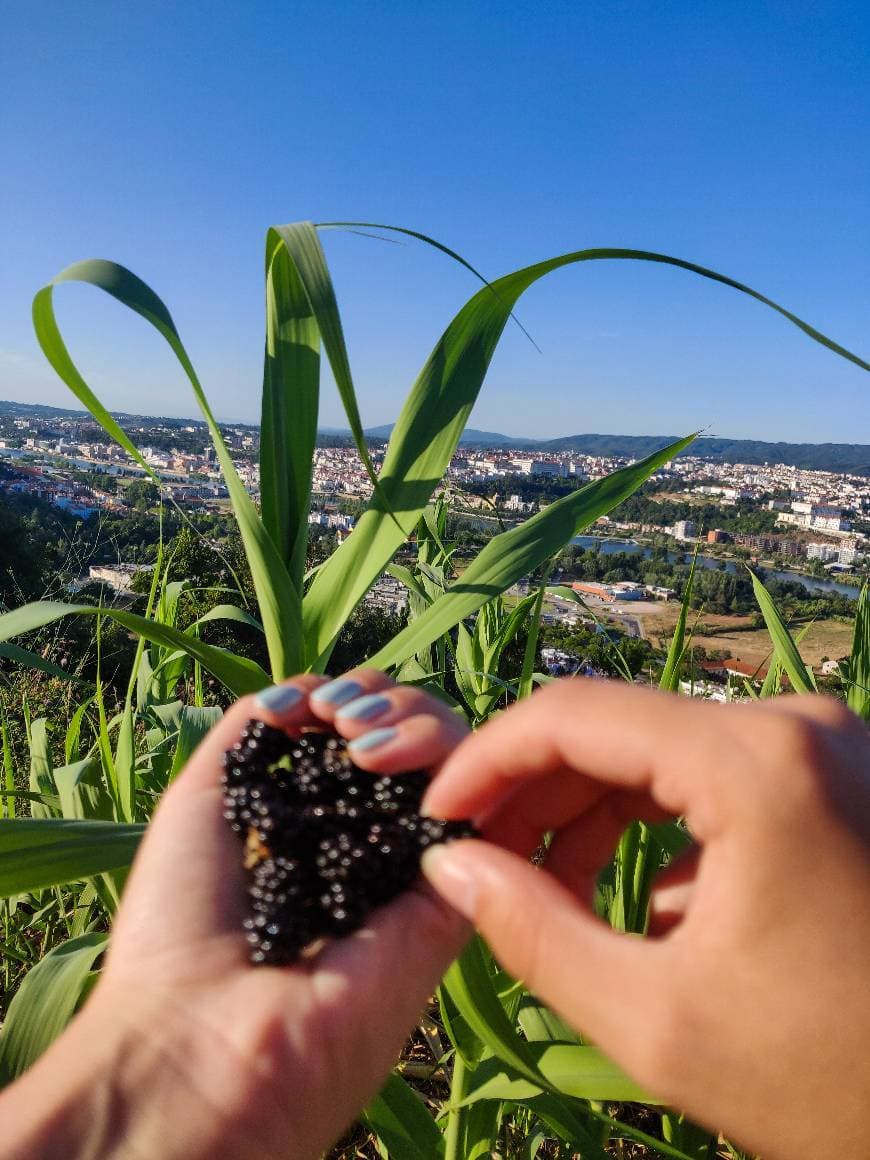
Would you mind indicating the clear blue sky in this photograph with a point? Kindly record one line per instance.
(168, 136)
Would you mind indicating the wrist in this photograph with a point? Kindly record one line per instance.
(117, 1084)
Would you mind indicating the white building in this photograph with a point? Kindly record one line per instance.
(117, 576)
(685, 530)
(823, 552)
(540, 467)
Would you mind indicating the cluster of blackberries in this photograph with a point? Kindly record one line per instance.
(325, 842)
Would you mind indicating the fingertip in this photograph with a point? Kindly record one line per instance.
(420, 741)
(450, 873)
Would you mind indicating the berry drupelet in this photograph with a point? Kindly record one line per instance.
(324, 841)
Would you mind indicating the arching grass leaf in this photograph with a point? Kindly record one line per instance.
(48, 852)
(45, 1002)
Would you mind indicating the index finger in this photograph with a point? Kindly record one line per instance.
(612, 733)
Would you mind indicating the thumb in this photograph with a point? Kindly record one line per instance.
(600, 981)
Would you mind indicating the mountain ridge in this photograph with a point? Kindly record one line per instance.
(853, 458)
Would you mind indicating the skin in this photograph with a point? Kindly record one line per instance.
(184, 1050)
(749, 1007)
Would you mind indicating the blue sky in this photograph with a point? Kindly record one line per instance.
(168, 136)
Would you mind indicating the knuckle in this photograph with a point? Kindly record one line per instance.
(243, 710)
(370, 676)
(830, 712)
(807, 751)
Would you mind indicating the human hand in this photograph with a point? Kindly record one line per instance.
(749, 1007)
(186, 1050)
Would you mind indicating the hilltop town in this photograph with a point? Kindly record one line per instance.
(816, 517)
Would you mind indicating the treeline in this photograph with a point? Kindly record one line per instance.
(714, 589)
(745, 516)
(641, 508)
(43, 549)
(837, 457)
(530, 489)
(39, 544)
(609, 652)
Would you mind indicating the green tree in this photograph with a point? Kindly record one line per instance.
(141, 494)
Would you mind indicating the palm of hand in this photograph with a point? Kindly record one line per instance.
(280, 1058)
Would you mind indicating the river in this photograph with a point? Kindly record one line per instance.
(608, 546)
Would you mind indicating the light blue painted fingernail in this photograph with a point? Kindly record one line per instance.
(365, 708)
(372, 740)
(337, 692)
(278, 698)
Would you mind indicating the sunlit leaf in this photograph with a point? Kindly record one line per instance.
(45, 1002)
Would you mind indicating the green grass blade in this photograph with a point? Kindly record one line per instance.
(526, 683)
(784, 648)
(125, 765)
(303, 246)
(196, 721)
(406, 576)
(578, 1071)
(239, 674)
(226, 612)
(608, 254)
(428, 430)
(541, 1025)
(623, 1131)
(772, 684)
(7, 805)
(856, 674)
(45, 1002)
(72, 741)
(513, 554)
(400, 1121)
(51, 851)
(41, 780)
(469, 984)
(83, 796)
(507, 630)
(34, 661)
(55, 350)
(278, 599)
(291, 389)
(670, 678)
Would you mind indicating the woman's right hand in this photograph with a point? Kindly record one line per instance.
(749, 1007)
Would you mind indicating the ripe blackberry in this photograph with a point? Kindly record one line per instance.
(325, 842)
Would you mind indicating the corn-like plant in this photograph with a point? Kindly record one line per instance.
(519, 1075)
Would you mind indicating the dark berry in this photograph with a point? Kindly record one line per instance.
(325, 842)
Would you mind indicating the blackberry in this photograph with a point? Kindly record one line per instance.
(324, 841)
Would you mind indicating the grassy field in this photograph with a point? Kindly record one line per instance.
(824, 638)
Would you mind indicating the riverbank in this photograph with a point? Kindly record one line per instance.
(609, 546)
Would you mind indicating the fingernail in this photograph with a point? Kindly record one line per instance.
(278, 698)
(337, 692)
(372, 740)
(444, 869)
(425, 810)
(365, 708)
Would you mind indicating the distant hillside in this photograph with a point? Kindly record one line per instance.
(37, 410)
(839, 457)
(470, 437)
(846, 457)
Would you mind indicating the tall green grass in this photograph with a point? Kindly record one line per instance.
(521, 1080)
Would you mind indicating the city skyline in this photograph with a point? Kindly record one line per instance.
(471, 435)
